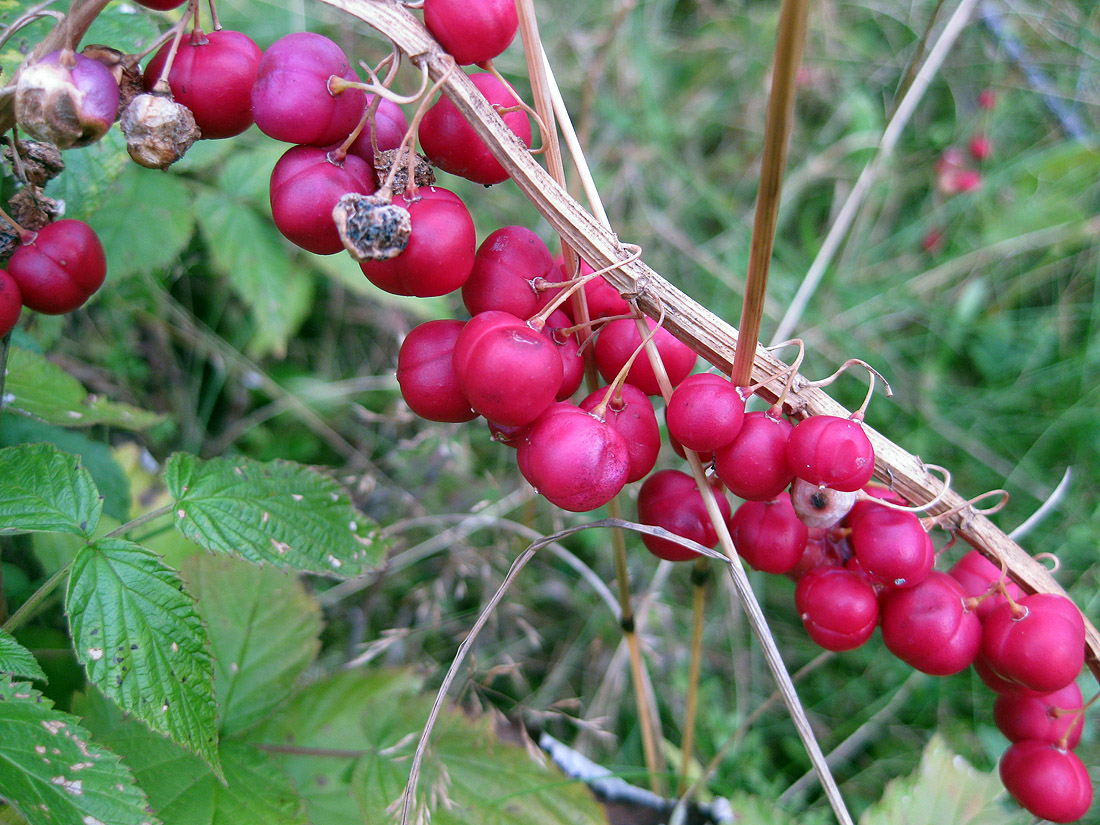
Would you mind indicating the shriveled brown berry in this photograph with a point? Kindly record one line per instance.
(32, 209)
(372, 227)
(423, 172)
(40, 161)
(158, 130)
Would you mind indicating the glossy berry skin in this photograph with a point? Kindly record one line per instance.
(66, 99)
(1042, 649)
(575, 460)
(472, 31)
(754, 465)
(631, 413)
(426, 375)
(602, 298)
(670, 499)
(508, 372)
(929, 628)
(291, 100)
(390, 125)
(440, 253)
(1021, 717)
(59, 267)
(705, 412)
(838, 608)
(768, 535)
(11, 303)
(161, 5)
(306, 183)
(891, 545)
(451, 143)
(572, 363)
(212, 75)
(831, 451)
(1050, 782)
(507, 266)
(976, 573)
(617, 342)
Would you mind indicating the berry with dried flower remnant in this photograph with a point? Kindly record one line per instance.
(158, 130)
(59, 267)
(66, 99)
(372, 227)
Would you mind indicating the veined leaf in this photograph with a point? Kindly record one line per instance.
(263, 634)
(277, 512)
(53, 774)
(142, 643)
(16, 660)
(183, 790)
(42, 390)
(45, 490)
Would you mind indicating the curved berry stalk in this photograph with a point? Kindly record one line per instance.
(1057, 718)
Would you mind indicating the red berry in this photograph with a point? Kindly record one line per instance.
(451, 143)
(67, 99)
(821, 551)
(506, 268)
(575, 460)
(1026, 716)
(670, 499)
(440, 253)
(390, 125)
(838, 608)
(1042, 647)
(291, 99)
(572, 362)
(473, 31)
(768, 535)
(987, 98)
(932, 242)
(891, 545)
(1050, 782)
(11, 303)
(161, 5)
(976, 573)
(754, 465)
(59, 267)
(831, 451)
(820, 506)
(426, 375)
(631, 413)
(928, 627)
(617, 342)
(306, 183)
(980, 148)
(705, 412)
(212, 75)
(604, 301)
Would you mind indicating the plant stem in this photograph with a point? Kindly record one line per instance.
(31, 605)
(5, 348)
(700, 574)
(145, 518)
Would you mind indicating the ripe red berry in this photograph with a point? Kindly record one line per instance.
(451, 143)
(1050, 782)
(891, 545)
(1046, 717)
(705, 412)
(575, 460)
(754, 465)
(670, 499)
(440, 252)
(390, 125)
(572, 362)
(291, 98)
(831, 451)
(1040, 646)
(987, 98)
(631, 413)
(306, 183)
(980, 147)
(838, 608)
(473, 31)
(507, 265)
(617, 342)
(768, 535)
(604, 301)
(161, 5)
(59, 267)
(426, 375)
(11, 303)
(976, 573)
(212, 75)
(928, 626)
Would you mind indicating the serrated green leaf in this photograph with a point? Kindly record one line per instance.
(249, 252)
(166, 219)
(16, 660)
(42, 390)
(52, 772)
(263, 634)
(183, 790)
(89, 173)
(124, 27)
(277, 512)
(95, 456)
(474, 778)
(944, 790)
(136, 631)
(45, 490)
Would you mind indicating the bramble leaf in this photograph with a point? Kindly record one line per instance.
(16, 660)
(45, 490)
(142, 643)
(277, 512)
(53, 774)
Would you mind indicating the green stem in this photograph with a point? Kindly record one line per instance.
(140, 520)
(31, 605)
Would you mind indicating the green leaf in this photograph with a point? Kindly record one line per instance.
(16, 660)
(95, 456)
(52, 772)
(258, 653)
(45, 490)
(375, 717)
(89, 173)
(167, 221)
(249, 252)
(136, 631)
(278, 512)
(944, 790)
(183, 790)
(42, 390)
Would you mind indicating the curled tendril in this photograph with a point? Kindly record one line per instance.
(539, 320)
(1055, 562)
(544, 131)
(872, 374)
(940, 518)
(916, 508)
